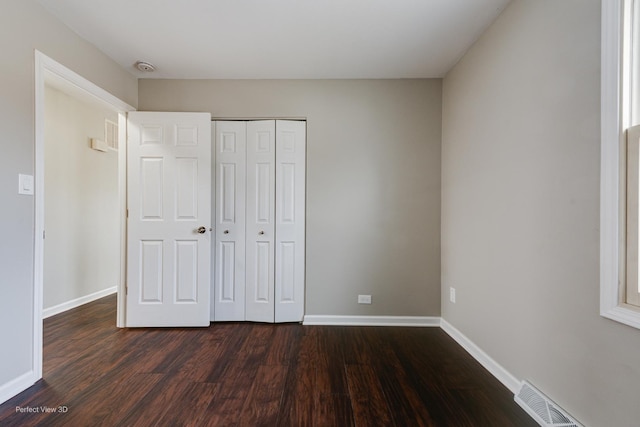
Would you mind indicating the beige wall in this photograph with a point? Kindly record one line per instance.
(373, 181)
(82, 216)
(520, 209)
(25, 26)
(520, 193)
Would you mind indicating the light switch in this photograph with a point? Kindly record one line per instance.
(25, 184)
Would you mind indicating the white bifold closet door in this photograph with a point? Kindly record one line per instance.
(290, 220)
(230, 178)
(260, 221)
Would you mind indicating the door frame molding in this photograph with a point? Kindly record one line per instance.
(49, 70)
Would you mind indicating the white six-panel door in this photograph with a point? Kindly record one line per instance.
(260, 223)
(290, 220)
(229, 266)
(169, 214)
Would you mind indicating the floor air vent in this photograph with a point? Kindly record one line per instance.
(543, 409)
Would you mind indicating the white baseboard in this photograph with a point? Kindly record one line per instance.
(57, 309)
(420, 321)
(483, 358)
(16, 386)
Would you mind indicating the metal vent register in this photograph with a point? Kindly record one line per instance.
(542, 409)
(111, 134)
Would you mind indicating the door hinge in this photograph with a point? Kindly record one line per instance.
(127, 213)
(43, 234)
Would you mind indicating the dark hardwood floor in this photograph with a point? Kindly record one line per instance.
(244, 374)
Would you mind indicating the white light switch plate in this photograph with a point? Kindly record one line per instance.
(25, 184)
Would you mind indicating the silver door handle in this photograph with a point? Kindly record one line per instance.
(201, 230)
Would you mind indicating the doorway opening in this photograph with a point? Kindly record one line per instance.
(51, 75)
(81, 245)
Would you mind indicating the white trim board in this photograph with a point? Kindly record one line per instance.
(17, 385)
(500, 373)
(420, 321)
(57, 309)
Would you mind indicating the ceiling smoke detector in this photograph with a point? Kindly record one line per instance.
(145, 66)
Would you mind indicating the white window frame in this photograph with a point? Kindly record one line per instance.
(632, 223)
(616, 115)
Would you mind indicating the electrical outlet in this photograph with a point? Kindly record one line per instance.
(452, 295)
(364, 299)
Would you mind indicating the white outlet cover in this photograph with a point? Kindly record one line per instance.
(364, 299)
(452, 295)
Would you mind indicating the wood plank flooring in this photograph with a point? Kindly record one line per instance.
(244, 374)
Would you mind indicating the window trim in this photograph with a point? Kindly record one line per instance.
(632, 268)
(612, 203)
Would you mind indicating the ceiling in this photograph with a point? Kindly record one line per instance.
(281, 39)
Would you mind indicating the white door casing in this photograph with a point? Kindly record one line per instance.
(290, 220)
(168, 200)
(212, 293)
(229, 267)
(260, 223)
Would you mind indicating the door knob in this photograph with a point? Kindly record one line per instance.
(201, 230)
(261, 233)
(226, 231)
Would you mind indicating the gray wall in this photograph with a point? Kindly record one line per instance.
(520, 209)
(82, 218)
(373, 181)
(25, 26)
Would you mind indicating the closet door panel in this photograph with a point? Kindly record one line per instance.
(230, 184)
(290, 220)
(260, 221)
